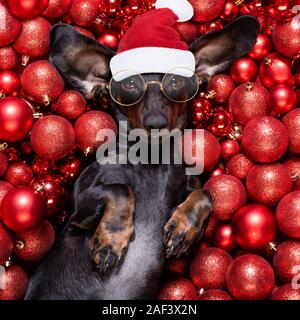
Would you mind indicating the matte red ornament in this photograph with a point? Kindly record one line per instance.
(215, 294)
(265, 139)
(4, 188)
(254, 226)
(286, 258)
(3, 163)
(286, 292)
(8, 58)
(84, 12)
(7, 244)
(57, 8)
(9, 83)
(221, 122)
(52, 137)
(16, 119)
(230, 11)
(179, 289)
(18, 174)
(239, 166)
(292, 122)
(228, 194)
(110, 39)
(207, 10)
(188, 31)
(71, 104)
(34, 245)
(262, 47)
(282, 99)
(177, 267)
(229, 148)
(223, 237)
(220, 88)
(209, 267)
(27, 9)
(243, 70)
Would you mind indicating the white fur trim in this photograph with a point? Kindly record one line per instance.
(182, 8)
(152, 60)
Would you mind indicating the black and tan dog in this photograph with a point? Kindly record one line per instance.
(124, 218)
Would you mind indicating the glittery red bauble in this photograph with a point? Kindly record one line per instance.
(243, 70)
(71, 104)
(228, 195)
(57, 8)
(269, 183)
(265, 139)
(274, 70)
(89, 125)
(207, 10)
(221, 86)
(229, 148)
(292, 122)
(239, 166)
(8, 58)
(211, 151)
(200, 111)
(288, 215)
(41, 82)
(16, 119)
(286, 258)
(262, 47)
(282, 99)
(254, 226)
(3, 163)
(4, 188)
(18, 174)
(180, 289)
(215, 294)
(16, 282)
(209, 267)
(230, 11)
(27, 9)
(110, 39)
(52, 137)
(84, 12)
(221, 122)
(188, 31)
(70, 168)
(223, 237)
(10, 27)
(7, 244)
(293, 166)
(286, 292)
(9, 83)
(34, 245)
(177, 266)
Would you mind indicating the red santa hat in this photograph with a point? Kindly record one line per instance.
(152, 44)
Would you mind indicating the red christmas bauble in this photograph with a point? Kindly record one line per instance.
(250, 277)
(262, 47)
(27, 9)
(228, 194)
(221, 122)
(177, 267)
(41, 82)
(7, 244)
(215, 294)
(9, 83)
(285, 260)
(8, 58)
(16, 282)
(230, 11)
(293, 166)
(243, 70)
(34, 245)
(200, 111)
(10, 27)
(88, 126)
(34, 39)
(229, 148)
(223, 237)
(286, 292)
(188, 31)
(282, 99)
(207, 10)
(212, 26)
(288, 215)
(249, 101)
(221, 87)
(239, 166)
(3, 163)
(292, 122)
(41, 166)
(254, 226)
(209, 267)
(18, 174)
(84, 12)
(179, 289)
(265, 139)
(269, 183)
(4, 188)
(71, 104)
(23, 209)
(16, 119)
(110, 39)
(52, 137)
(85, 32)
(57, 8)
(70, 168)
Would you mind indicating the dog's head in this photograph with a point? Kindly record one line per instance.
(84, 65)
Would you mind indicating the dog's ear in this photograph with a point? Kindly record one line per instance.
(82, 61)
(215, 51)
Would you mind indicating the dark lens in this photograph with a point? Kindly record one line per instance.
(127, 91)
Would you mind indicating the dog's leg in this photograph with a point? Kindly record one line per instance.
(187, 223)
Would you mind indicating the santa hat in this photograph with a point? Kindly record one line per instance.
(152, 44)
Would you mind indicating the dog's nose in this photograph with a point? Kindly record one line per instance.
(155, 122)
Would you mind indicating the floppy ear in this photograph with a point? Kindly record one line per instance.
(215, 51)
(82, 61)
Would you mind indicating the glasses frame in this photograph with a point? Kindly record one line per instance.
(146, 83)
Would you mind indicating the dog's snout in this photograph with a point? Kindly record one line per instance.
(155, 122)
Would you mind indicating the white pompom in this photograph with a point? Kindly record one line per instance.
(182, 8)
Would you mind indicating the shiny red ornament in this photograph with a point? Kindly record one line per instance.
(208, 27)
(71, 104)
(286, 292)
(9, 83)
(57, 8)
(265, 139)
(23, 209)
(41, 82)
(243, 70)
(228, 194)
(179, 289)
(292, 122)
(84, 12)
(8, 58)
(188, 31)
(254, 226)
(282, 99)
(7, 244)
(3, 163)
(27, 9)
(220, 88)
(229, 148)
(207, 10)
(200, 111)
(4, 188)
(177, 267)
(217, 172)
(209, 267)
(269, 183)
(239, 166)
(110, 39)
(215, 294)
(34, 245)
(70, 168)
(10, 26)
(262, 47)
(286, 258)
(52, 137)
(18, 174)
(230, 11)
(221, 122)
(223, 237)
(16, 282)
(250, 277)
(41, 166)
(16, 119)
